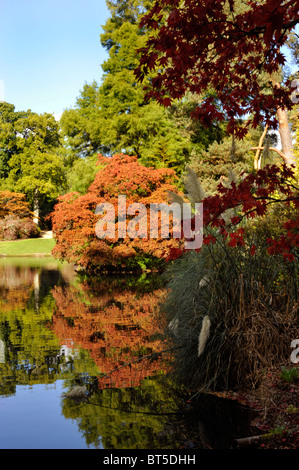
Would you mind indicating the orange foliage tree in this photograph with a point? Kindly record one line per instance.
(14, 204)
(74, 218)
(16, 218)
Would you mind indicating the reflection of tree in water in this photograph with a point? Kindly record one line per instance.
(146, 417)
(21, 284)
(16, 286)
(117, 324)
(116, 321)
(156, 415)
(15, 276)
(27, 344)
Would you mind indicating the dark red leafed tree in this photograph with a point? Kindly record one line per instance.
(228, 53)
(219, 50)
(252, 197)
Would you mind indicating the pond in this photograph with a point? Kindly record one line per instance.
(61, 333)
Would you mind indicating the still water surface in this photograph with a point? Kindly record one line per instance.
(59, 331)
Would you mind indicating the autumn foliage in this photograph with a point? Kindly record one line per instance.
(74, 219)
(226, 213)
(16, 217)
(252, 197)
(12, 203)
(219, 50)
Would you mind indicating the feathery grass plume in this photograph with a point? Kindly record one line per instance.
(204, 335)
(232, 212)
(232, 177)
(173, 197)
(76, 392)
(193, 187)
(173, 325)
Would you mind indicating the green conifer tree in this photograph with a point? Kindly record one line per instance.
(113, 116)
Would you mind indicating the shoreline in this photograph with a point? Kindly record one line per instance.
(35, 247)
(24, 255)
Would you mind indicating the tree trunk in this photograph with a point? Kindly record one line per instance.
(246, 442)
(257, 160)
(36, 206)
(285, 133)
(285, 137)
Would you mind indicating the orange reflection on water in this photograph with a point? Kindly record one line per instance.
(119, 327)
(16, 286)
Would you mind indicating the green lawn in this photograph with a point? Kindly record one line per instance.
(29, 246)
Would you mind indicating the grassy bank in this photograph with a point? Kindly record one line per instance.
(30, 246)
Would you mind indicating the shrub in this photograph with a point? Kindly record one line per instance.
(14, 203)
(290, 375)
(74, 219)
(13, 228)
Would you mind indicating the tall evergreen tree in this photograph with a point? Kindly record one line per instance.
(80, 125)
(115, 117)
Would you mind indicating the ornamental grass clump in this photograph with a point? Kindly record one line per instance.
(230, 314)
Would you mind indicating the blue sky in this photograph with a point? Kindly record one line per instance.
(48, 50)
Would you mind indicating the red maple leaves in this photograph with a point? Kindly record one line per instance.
(218, 53)
(252, 197)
